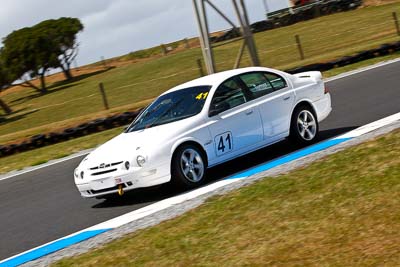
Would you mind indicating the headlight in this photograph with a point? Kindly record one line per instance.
(82, 174)
(76, 173)
(140, 160)
(127, 165)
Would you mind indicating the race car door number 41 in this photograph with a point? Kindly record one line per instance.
(223, 143)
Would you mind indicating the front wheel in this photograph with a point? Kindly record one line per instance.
(188, 167)
(304, 125)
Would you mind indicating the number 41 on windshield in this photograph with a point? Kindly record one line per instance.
(202, 96)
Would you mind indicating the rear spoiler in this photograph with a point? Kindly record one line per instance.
(314, 75)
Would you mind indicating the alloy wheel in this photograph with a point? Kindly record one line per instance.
(192, 165)
(306, 125)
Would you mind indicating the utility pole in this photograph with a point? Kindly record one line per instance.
(200, 9)
(266, 8)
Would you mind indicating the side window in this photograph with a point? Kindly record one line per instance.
(228, 95)
(257, 84)
(277, 81)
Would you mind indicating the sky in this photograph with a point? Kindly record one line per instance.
(117, 27)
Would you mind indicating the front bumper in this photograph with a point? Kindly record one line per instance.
(129, 180)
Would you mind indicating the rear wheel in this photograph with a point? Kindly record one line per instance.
(188, 166)
(304, 125)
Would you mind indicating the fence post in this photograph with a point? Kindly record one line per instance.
(103, 94)
(103, 61)
(186, 41)
(299, 46)
(317, 10)
(163, 49)
(396, 23)
(76, 65)
(5, 107)
(200, 66)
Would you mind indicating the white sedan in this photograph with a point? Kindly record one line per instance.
(206, 122)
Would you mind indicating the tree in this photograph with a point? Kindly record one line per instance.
(30, 52)
(5, 77)
(62, 33)
(5, 81)
(27, 54)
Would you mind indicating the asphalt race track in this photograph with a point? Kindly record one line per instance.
(43, 205)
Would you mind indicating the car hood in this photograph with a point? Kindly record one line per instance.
(120, 148)
(127, 145)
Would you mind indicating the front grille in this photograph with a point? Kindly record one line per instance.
(102, 166)
(104, 172)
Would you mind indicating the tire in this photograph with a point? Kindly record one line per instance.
(188, 167)
(304, 125)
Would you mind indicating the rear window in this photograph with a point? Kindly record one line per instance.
(276, 81)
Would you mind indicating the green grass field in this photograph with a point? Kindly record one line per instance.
(339, 211)
(135, 84)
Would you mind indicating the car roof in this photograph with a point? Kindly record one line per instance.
(217, 78)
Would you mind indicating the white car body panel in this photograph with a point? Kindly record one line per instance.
(233, 121)
(274, 108)
(252, 125)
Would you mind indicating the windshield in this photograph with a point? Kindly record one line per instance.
(172, 107)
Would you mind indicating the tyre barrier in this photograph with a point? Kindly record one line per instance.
(24, 146)
(70, 133)
(10, 149)
(38, 140)
(3, 150)
(85, 129)
(364, 55)
(54, 138)
(261, 26)
(326, 8)
(230, 34)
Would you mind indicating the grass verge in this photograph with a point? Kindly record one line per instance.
(323, 39)
(339, 211)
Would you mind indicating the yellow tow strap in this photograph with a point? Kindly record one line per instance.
(120, 190)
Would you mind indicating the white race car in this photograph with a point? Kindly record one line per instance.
(205, 122)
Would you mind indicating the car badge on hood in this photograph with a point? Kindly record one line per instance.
(102, 166)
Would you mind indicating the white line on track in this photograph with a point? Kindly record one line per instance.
(371, 126)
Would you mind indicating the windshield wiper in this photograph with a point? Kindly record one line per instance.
(131, 127)
(164, 113)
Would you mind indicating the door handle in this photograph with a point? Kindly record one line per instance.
(249, 112)
(286, 98)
